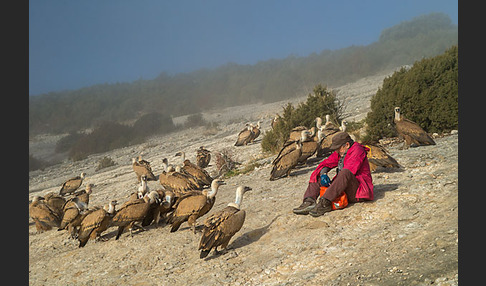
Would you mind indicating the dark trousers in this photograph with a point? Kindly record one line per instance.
(345, 181)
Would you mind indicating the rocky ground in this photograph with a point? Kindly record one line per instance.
(407, 236)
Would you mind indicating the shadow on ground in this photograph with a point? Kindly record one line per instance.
(245, 239)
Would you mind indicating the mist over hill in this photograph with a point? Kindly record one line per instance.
(233, 84)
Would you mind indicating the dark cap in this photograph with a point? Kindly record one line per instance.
(339, 139)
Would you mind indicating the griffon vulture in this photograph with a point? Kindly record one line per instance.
(43, 216)
(256, 132)
(73, 213)
(95, 222)
(71, 185)
(286, 162)
(142, 169)
(175, 181)
(378, 157)
(309, 145)
(132, 212)
(413, 134)
(203, 157)
(202, 176)
(191, 207)
(244, 136)
(221, 226)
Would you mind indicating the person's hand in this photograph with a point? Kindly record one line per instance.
(325, 181)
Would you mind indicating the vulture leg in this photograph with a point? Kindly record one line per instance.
(192, 222)
(120, 231)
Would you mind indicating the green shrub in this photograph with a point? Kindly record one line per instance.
(319, 104)
(152, 123)
(427, 94)
(107, 136)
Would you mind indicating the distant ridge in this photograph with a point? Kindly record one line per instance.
(233, 84)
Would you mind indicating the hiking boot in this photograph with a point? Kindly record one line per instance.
(305, 207)
(322, 207)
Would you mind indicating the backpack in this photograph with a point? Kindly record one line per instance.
(339, 203)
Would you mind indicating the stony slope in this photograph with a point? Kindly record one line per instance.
(407, 236)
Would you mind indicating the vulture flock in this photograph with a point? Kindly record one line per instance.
(188, 192)
(303, 143)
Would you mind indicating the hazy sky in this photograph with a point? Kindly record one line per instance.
(74, 44)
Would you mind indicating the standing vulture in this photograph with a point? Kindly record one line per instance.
(275, 121)
(43, 216)
(329, 128)
(256, 132)
(203, 156)
(202, 176)
(55, 202)
(309, 145)
(191, 207)
(221, 226)
(142, 169)
(132, 212)
(94, 223)
(286, 162)
(413, 134)
(244, 136)
(83, 195)
(175, 181)
(71, 185)
(73, 212)
(144, 162)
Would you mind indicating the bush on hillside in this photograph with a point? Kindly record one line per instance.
(319, 104)
(152, 123)
(427, 94)
(107, 136)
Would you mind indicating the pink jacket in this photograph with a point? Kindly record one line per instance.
(355, 161)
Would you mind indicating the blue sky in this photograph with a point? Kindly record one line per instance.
(74, 44)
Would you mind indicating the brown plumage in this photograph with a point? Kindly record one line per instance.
(55, 202)
(71, 185)
(191, 207)
(177, 182)
(43, 216)
(202, 176)
(221, 226)
(276, 120)
(132, 212)
(95, 222)
(309, 146)
(296, 133)
(83, 195)
(378, 157)
(244, 136)
(168, 199)
(256, 132)
(327, 133)
(329, 128)
(142, 169)
(286, 162)
(203, 157)
(144, 162)
(73, 212)
(411, 132)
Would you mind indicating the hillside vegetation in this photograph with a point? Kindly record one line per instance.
(427, 94)
(233, 84)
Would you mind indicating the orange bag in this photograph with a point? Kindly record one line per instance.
(339, 203)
